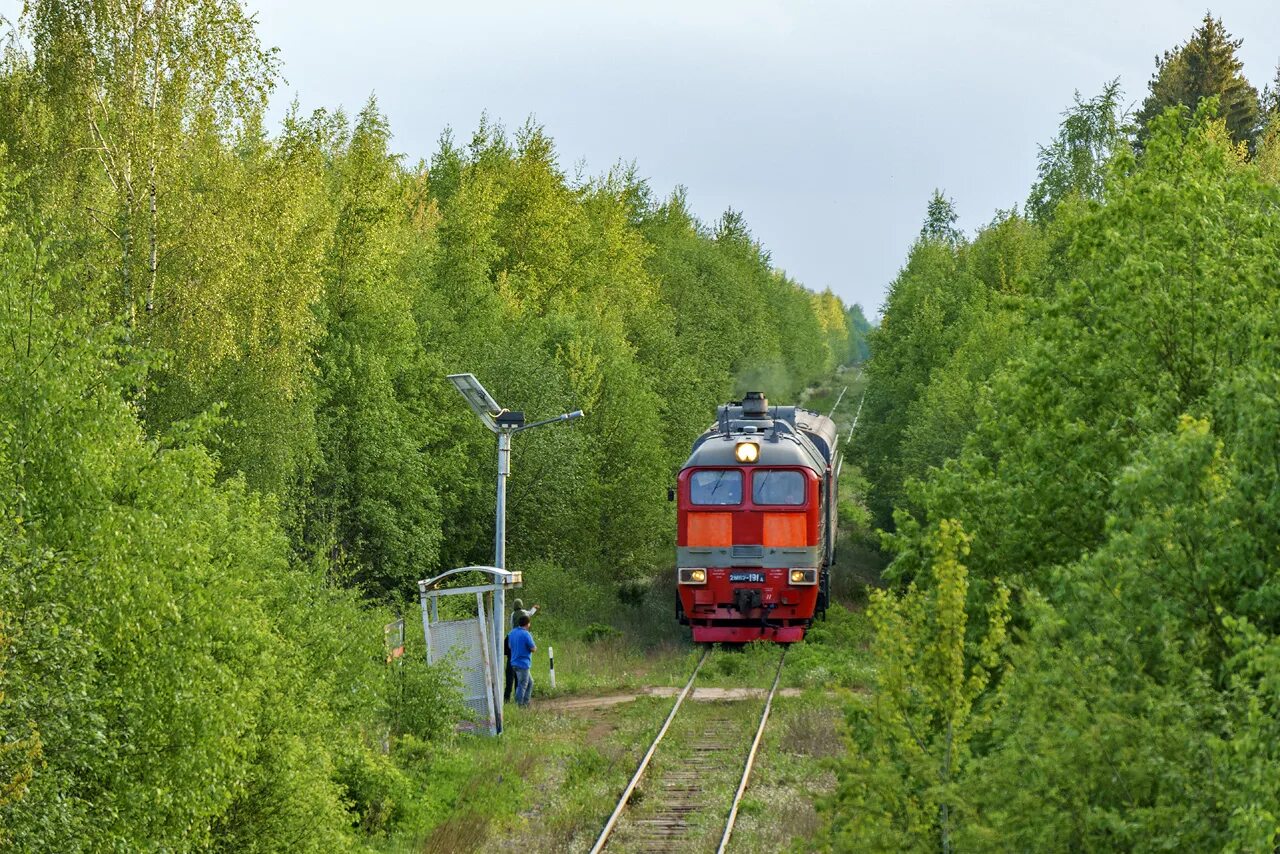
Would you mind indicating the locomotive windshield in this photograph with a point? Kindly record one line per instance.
(777, 487)
(723, 486)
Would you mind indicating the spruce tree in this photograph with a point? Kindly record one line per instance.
(1271, 100)
(1205, 66)
(940, 221)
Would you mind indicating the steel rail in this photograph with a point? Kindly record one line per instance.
(837, 403)
(751, 757)
(856, 416)
(644, 763)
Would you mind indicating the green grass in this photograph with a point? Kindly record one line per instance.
(794, 769)
(834, 654)
(610, 665)
(552, 778)
(546, 785)
(605, 640)
(751, 665)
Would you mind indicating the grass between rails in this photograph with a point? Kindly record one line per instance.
(710, 739)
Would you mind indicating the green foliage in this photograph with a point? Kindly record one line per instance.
(1268, 157)
(19, 751)
(1087, 752)
(1074, 163)
(422, 701)
(599, 631)
(911, 745)
(224, 427)
(1119, 474)
(940, 221)
(122, 557)
(859, 328)
(1205, 66)
(835, 653)
(370, 509)
(1269, 103)
(952, 316)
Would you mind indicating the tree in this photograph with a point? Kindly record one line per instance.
(1090, 133)
(1205, 66)
(1121, 477)
(372, 514)
(19, 753)
(123, 81)
(1268, 159)
(940, 221)
(1270, 101)
(835, 329)
(902, 784)
(859, 328)
(187, 683)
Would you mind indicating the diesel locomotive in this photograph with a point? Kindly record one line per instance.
(756, 517)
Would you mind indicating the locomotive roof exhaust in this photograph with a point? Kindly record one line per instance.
(755, 405)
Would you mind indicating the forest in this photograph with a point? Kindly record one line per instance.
(1072, 435)
(228, 451)
(227, 447)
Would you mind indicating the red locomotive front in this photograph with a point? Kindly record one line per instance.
(756, 524)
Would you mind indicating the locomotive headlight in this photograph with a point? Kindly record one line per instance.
(693, 576)
(804, 576)
(747, 452)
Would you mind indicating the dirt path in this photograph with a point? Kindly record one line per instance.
(575, 704)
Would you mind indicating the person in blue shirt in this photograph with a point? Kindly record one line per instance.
(522, 649)
(506, 646)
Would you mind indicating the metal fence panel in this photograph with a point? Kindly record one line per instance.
(462, 641)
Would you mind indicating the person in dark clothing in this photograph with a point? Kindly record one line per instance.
(511, 671)
(521, 612)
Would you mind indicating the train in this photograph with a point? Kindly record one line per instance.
(756, 523)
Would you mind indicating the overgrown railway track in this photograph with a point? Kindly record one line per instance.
(670, 812)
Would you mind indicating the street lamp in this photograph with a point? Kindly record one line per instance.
(506, 424)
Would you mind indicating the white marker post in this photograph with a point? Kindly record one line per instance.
(551, 660)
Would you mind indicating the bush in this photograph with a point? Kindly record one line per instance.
(423, 700)
(375, 788)
(834, 653)
(599, 631)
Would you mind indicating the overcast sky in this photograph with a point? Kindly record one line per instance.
(827, 123)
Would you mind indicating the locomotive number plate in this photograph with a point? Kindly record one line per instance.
(757, 577)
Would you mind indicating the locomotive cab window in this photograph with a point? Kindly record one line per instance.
(723, 486)
(777, 487)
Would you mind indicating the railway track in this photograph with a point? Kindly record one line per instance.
(683, 782)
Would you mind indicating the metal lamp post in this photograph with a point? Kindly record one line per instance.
(506, 424)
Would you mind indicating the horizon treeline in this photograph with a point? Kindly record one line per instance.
(225, 429)
(1072, 434)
